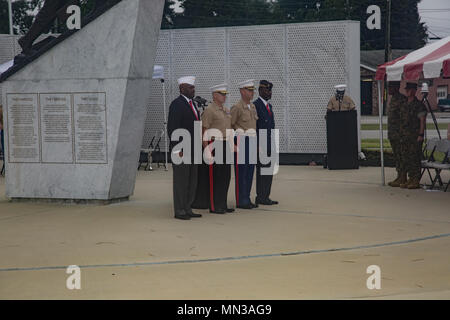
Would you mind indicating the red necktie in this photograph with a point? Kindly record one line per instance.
(193, 110)
(268, 110)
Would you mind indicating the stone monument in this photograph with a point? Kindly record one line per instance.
(74, 116)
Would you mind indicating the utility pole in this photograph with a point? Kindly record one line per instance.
(11, 31)
(387, 45)
(347, 7)
(387, 49)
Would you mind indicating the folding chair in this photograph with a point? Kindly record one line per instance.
(156, 152)
(146, 155)
(442, 146)
(2, 157)
(428, 156)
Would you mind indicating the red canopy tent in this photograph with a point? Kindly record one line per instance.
(431, 61)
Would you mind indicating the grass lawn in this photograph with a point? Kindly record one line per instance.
(374, 145)
(375, 126)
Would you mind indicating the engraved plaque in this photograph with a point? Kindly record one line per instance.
(90, 128)
(23, 128)
(56, 127)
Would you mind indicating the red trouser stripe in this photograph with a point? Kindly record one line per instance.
(211, 186)
(237, 173)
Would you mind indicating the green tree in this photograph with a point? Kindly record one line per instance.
(407, 32)
(216, 13)
(169, 15)
(22, 15)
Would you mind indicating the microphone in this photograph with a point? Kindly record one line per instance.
(200, 101)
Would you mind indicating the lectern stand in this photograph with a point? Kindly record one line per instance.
(342, 140)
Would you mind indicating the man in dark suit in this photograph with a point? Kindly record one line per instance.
(183, 114)
(266, 121)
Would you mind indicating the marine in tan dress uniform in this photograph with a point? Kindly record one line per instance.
(340, 101)
(243, 120)
(218, 117)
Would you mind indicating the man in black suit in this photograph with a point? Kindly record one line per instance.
(266, 121)
(183, 114)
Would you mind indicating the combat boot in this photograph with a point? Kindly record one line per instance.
(405, 184)
(401, 179)
(413, 184)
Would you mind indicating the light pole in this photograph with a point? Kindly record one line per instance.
(11, 32)
(318, 10)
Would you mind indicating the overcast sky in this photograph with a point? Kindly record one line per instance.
(435, 14)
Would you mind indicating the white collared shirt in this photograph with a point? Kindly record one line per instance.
(188, 101)
(264, 101)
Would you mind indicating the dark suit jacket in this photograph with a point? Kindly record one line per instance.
(181, 116)
(265, 121)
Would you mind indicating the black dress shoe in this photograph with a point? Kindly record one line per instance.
(245, 206)
(273, 201)
(217, 211)
(230, 210)
(183, 217)
(254, 205)
(194, 215)
(265, 202)
(197, 206)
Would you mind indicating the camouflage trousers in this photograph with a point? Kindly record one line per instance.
(400, 163)
(411, 156)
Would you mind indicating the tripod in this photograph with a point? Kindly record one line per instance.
(427, 105)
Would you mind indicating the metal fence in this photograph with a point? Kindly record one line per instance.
(304, 61)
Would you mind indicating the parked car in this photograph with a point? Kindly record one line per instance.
(444, 105)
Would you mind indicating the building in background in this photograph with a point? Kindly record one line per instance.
(439, 88)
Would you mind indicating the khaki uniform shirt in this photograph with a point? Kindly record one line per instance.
(243, 117)
(346, 104)
(217, 117)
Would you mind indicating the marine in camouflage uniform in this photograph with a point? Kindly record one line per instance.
(413, 117)
(394, 134)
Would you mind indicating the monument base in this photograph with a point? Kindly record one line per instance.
(74, 117)
(70, 201)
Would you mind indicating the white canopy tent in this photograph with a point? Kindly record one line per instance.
(431, 61)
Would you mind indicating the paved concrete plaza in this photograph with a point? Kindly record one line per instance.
(316, 244)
